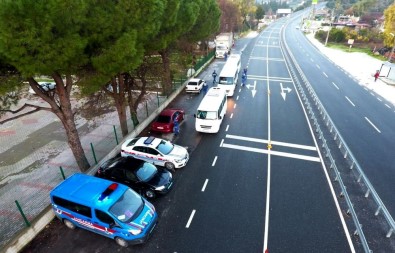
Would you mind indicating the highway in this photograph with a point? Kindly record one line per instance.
(259, 185)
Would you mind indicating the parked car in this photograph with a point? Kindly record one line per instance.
(141, 176)
(195, 85)
(46, 86)
(156, 151)
(164, 123)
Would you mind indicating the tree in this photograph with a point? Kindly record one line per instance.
(260, 12)
(246, 7)
(389, 26)
(67, 39)
(230, 18)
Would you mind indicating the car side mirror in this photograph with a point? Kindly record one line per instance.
(219, 117)
(194, 115)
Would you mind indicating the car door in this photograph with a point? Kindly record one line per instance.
(156, 157)
(141, 153)
(119, 175)
(106, 225)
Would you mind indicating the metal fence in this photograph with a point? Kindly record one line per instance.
(25, 184)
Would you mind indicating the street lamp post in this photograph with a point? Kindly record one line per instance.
(393, 46)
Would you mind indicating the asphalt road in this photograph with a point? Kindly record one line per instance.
(259, 185)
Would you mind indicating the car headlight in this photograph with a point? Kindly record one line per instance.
(135, 231)
(160, 188)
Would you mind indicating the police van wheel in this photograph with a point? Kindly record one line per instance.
(69, 224)
(170, 167)
(149, 194)
(121, 242)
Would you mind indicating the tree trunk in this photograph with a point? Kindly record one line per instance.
(120, 102)
(166, 79)
(61, 106)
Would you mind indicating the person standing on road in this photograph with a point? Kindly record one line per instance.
(176, 127)
(205, 87)
(243, 79)
(214, 74)
(245, 71)
(226, 56)
(376, 75)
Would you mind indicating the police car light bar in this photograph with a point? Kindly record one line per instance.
(108, 191)
(149, 140)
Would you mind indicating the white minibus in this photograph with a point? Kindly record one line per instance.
(229, 74)
(211, 111)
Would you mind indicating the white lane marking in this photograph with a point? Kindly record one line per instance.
(227, 128)
(277, 153)
(318, 66)
(379, 99)
(279, 143)
(222, 142)
(335, 85)
(231, 116)
(234, 106)
(215, 160)
(370, 122)
(311, 59)
(237, 98)
(190, 218)
(388, 106)
(325, 74)
(204, 185)
(350, 101)
(371, 93)
(366, 88)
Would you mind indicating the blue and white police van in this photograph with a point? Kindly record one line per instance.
(104, 207)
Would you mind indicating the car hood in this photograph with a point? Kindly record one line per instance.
(178, 152)
(161, 178)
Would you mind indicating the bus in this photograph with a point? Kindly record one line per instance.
(229, 74)
(211, 111)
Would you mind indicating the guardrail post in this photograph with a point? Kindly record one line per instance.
(23, 215)
(146, 108)
(115, 133)
(61, 172)
(93, 151)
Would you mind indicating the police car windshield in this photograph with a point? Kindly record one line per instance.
(128, 207)
(165, 147)
(146, 172)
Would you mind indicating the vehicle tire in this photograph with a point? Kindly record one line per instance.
(170, 167)
(150, 194)
(121, 242)
(69, 224)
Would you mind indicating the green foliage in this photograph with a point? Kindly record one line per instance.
(337, 35)
(260, 12)
(389, 26)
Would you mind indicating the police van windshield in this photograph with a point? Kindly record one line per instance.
(128, 207)
(165, 147)
(206, 115)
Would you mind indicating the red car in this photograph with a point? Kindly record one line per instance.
(165, 121)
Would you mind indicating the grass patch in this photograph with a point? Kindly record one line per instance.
(358, 49)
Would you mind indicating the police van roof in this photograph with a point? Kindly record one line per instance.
(89, 190)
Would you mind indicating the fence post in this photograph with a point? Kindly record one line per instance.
(116, 137)
(93, 151)
(23, 215)
(61, 171)
(157, 98)
(146, 108)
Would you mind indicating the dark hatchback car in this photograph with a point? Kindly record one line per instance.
(141, 176)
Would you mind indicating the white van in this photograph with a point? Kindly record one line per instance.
(229, 74)
(211, 111)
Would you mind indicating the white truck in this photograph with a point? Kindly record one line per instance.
(223, 44)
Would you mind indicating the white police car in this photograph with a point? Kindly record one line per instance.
(157, 151)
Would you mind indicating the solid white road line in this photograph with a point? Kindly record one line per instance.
(350, 101)
(204, 185)
(276, 153)
(215, 160)
(278, 143)
(190, 218)
(370, 122)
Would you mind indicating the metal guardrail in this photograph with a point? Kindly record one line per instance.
(347, 154)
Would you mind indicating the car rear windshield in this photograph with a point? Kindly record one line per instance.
(163, 119)
(128, 207)
(206, 115)
(192, 83)
(165, 147)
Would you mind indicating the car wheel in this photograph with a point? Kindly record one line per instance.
(150, 194)
(170, 167)
(69, 224)
(121, 242)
